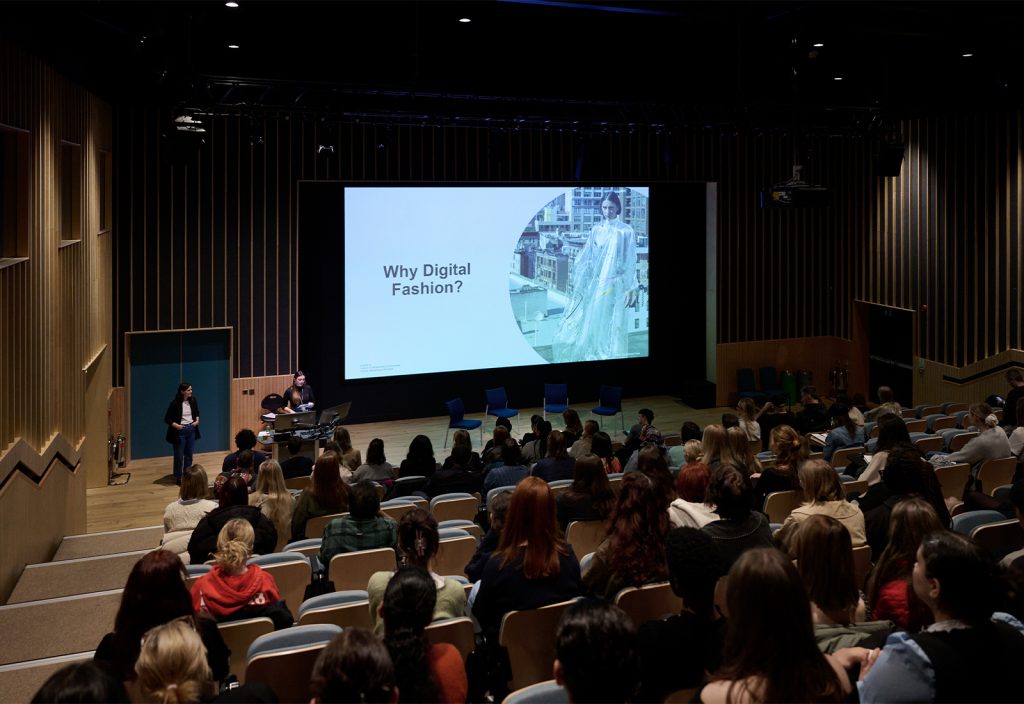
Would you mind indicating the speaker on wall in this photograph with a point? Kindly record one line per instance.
(890, 158)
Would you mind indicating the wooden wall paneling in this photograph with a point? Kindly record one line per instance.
(245, 408)
(930, 385)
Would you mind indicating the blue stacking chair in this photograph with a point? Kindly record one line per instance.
(457, 419)
(497, 405)
(609, 400)
(556, 398)
(770, 385)
(745, 385)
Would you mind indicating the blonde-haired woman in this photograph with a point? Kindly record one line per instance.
(233, 589)
(172, 665)
(991, 443)
(824, 495)
(746, 409)
(183, 515)
(715, 443)
(274, 500)
(742, 451)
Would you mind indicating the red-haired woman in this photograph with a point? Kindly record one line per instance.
(327, 495)
(155, 594)
(533, 565)
(633, 554)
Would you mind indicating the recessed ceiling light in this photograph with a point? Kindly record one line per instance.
(232, 46)
(231, 4)
(465, 20)
(967, 55)
(819, 45)
(838, 78)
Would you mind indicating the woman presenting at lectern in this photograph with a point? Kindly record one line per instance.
(182, 420)
(299, 396)
(603, 286)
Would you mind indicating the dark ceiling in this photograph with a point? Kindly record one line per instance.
(747, 64)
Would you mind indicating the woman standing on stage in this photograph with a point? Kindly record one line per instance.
(182, 420)
(299, 396)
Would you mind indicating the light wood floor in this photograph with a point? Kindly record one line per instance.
(141, 501)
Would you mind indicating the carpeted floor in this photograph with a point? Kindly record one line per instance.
(68, 577)
(43, 629)
(19, 684)
(109, 542)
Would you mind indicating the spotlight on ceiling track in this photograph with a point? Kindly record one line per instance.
(231, 4)
(232, 46)
(465, 20)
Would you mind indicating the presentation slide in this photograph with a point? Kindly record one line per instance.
(441, 279)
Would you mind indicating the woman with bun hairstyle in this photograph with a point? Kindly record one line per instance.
(790, 449)
(991, 443)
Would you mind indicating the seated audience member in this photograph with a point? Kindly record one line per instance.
(506, 425)
(637, 435)
(155, 593)
(790, 450)
(425, 672)
(590, 497)
(534, 433)
(633, 552)
(350, 457)
(328, 494)
(243, 468)
(746, 409)
(823, 553)
(297, 464)
(234, 503)
(533, 566)
(675, 652)
(376, 468)
(556, 464)
(233, 589)
(773, 414)
(354, 668)
(892, 429)
(461, 438)
(419, 461)
(82, 682)
(652, 460)
(497, 510)
(596, 657)
(274, 500)
(823, 495)
(685, 453)
(905, 474)
(182, 516)
(887, 403)
(601, 445)
(737, 529)
(418, 542)
(691, 509)
(715, 446)
(969, 654)
(814, 416)
(846, 433)
(1011, 415)
(843, 400)
(537, 448)
(652, 438)
(455, 475)
(730, 420)
(770, 651)
(364, 528)
(245, 439)
(1016, 558)
(343, 470)
(990, 444)
(573, 427)
(510, 472)
(742, 450)
(690, 431)
(890, 592)
(582, 446)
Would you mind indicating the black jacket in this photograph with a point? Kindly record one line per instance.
(173, 415)
(203, 542)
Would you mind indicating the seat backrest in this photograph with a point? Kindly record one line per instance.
(315, 526)
(238, 636)
(456, 410)
(556, 393)
(291, 572)
(529, 637)
(857, 487)
(457, 631)
(745, 379)
(348, 609)
(649, 602)
(299, 482)
(496, 398)
(779, 504)
(547, 692)
(497, 490)
(284, 659)
(931, 418)
(721, 591)
(908, 413)
(925, 410)
(995, 473)
(307, 547)
(953, 407)
(943, 423)
(841, 457)
(396, 509)
(967, 521)
(469, 526)
(1000, 537)
(464, 507)
(585, 536)
(352, 570)
(958, 441)
(861, 564)
(559, 486)
(610, 396)
(917, 426)
(930, 443)
(453, 554)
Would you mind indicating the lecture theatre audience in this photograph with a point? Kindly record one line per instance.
(328, 494)
(738, 528)
(234, 503)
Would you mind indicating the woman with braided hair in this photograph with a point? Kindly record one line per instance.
(418, 542)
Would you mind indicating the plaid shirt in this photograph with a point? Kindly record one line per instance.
(348, 534)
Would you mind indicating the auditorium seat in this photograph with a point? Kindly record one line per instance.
(457, 631)
(284, 659)
(585, 536)
(455, 505)
(238, 636)
(529, 637)
(348, 609)
(649, 602)
(453, 554)
(352, 570)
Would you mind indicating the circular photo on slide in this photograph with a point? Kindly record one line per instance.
(578, 280)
